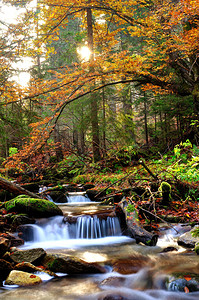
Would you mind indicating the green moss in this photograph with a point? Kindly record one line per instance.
(32, 207)
(165, 187)
(197, 248)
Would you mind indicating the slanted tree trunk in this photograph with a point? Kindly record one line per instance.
(16, 189)
(133, 227)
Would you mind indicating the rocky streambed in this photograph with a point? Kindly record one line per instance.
(98, 268)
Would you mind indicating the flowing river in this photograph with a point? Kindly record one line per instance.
(136, 272)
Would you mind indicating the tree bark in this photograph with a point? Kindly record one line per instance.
(16, 189)
(133, 228)
(94, 106)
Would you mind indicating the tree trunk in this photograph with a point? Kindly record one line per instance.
(15, 188)
(145, 121)
(94, 106)
(133, 228)
(58, 147)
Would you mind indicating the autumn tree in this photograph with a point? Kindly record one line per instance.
(165, 63)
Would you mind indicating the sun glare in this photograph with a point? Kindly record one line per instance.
(22, 79)
(84, 53)
(22, 75)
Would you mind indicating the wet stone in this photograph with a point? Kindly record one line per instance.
(131, 265)
(5, 268)
(186, 240)
(22, 279)
(70, 265)
(113, 281)
(4, 245)
(32, 255)
(183, 285)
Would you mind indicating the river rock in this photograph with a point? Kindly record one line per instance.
(36, 208)
(17, 220)
(197, 248)
(22, 279)
(33, 256)
(70, 265)
(14, 240)
(114, 281)
(5, 269)
(186, 240)
(92, 194)
(131, 265)
(30, 268)
(183, 285)
(57, 196)
(4, 245)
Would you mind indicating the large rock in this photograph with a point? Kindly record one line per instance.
(22, 279)
(187, 240)
(30, 268)
(4, 245)
(14, 241)
(70, 265)
(5, 269)
(36, 208)
(32, 255)
(17, 220)
(57, 196)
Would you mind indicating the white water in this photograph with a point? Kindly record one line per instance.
(86, 231)
(77, 197)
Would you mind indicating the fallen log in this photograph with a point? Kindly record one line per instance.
(131, 226)
(16, 189)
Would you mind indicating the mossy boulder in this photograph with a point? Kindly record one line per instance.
(36, 208)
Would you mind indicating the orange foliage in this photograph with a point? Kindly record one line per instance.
(166, 30)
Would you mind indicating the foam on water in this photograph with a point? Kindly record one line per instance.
(54, 233)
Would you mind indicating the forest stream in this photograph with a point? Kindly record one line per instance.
(133, 271)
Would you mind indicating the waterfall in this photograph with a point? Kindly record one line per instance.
(77, 197)
(85, 227)
(88, 227)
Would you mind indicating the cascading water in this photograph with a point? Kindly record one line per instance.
(88, 227)
(77, 197)
(58, 233)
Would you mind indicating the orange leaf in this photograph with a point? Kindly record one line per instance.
(187, 277)
(186, 290)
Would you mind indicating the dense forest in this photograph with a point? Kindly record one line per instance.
(99, 149)
(106, 83)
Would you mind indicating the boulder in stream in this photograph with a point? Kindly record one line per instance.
(4, 245)
(14, 241)
(37, 208)
(5, 269)
(71, 265)
(32, 255)
(187, 240)
(30, 268)
(22, 279)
